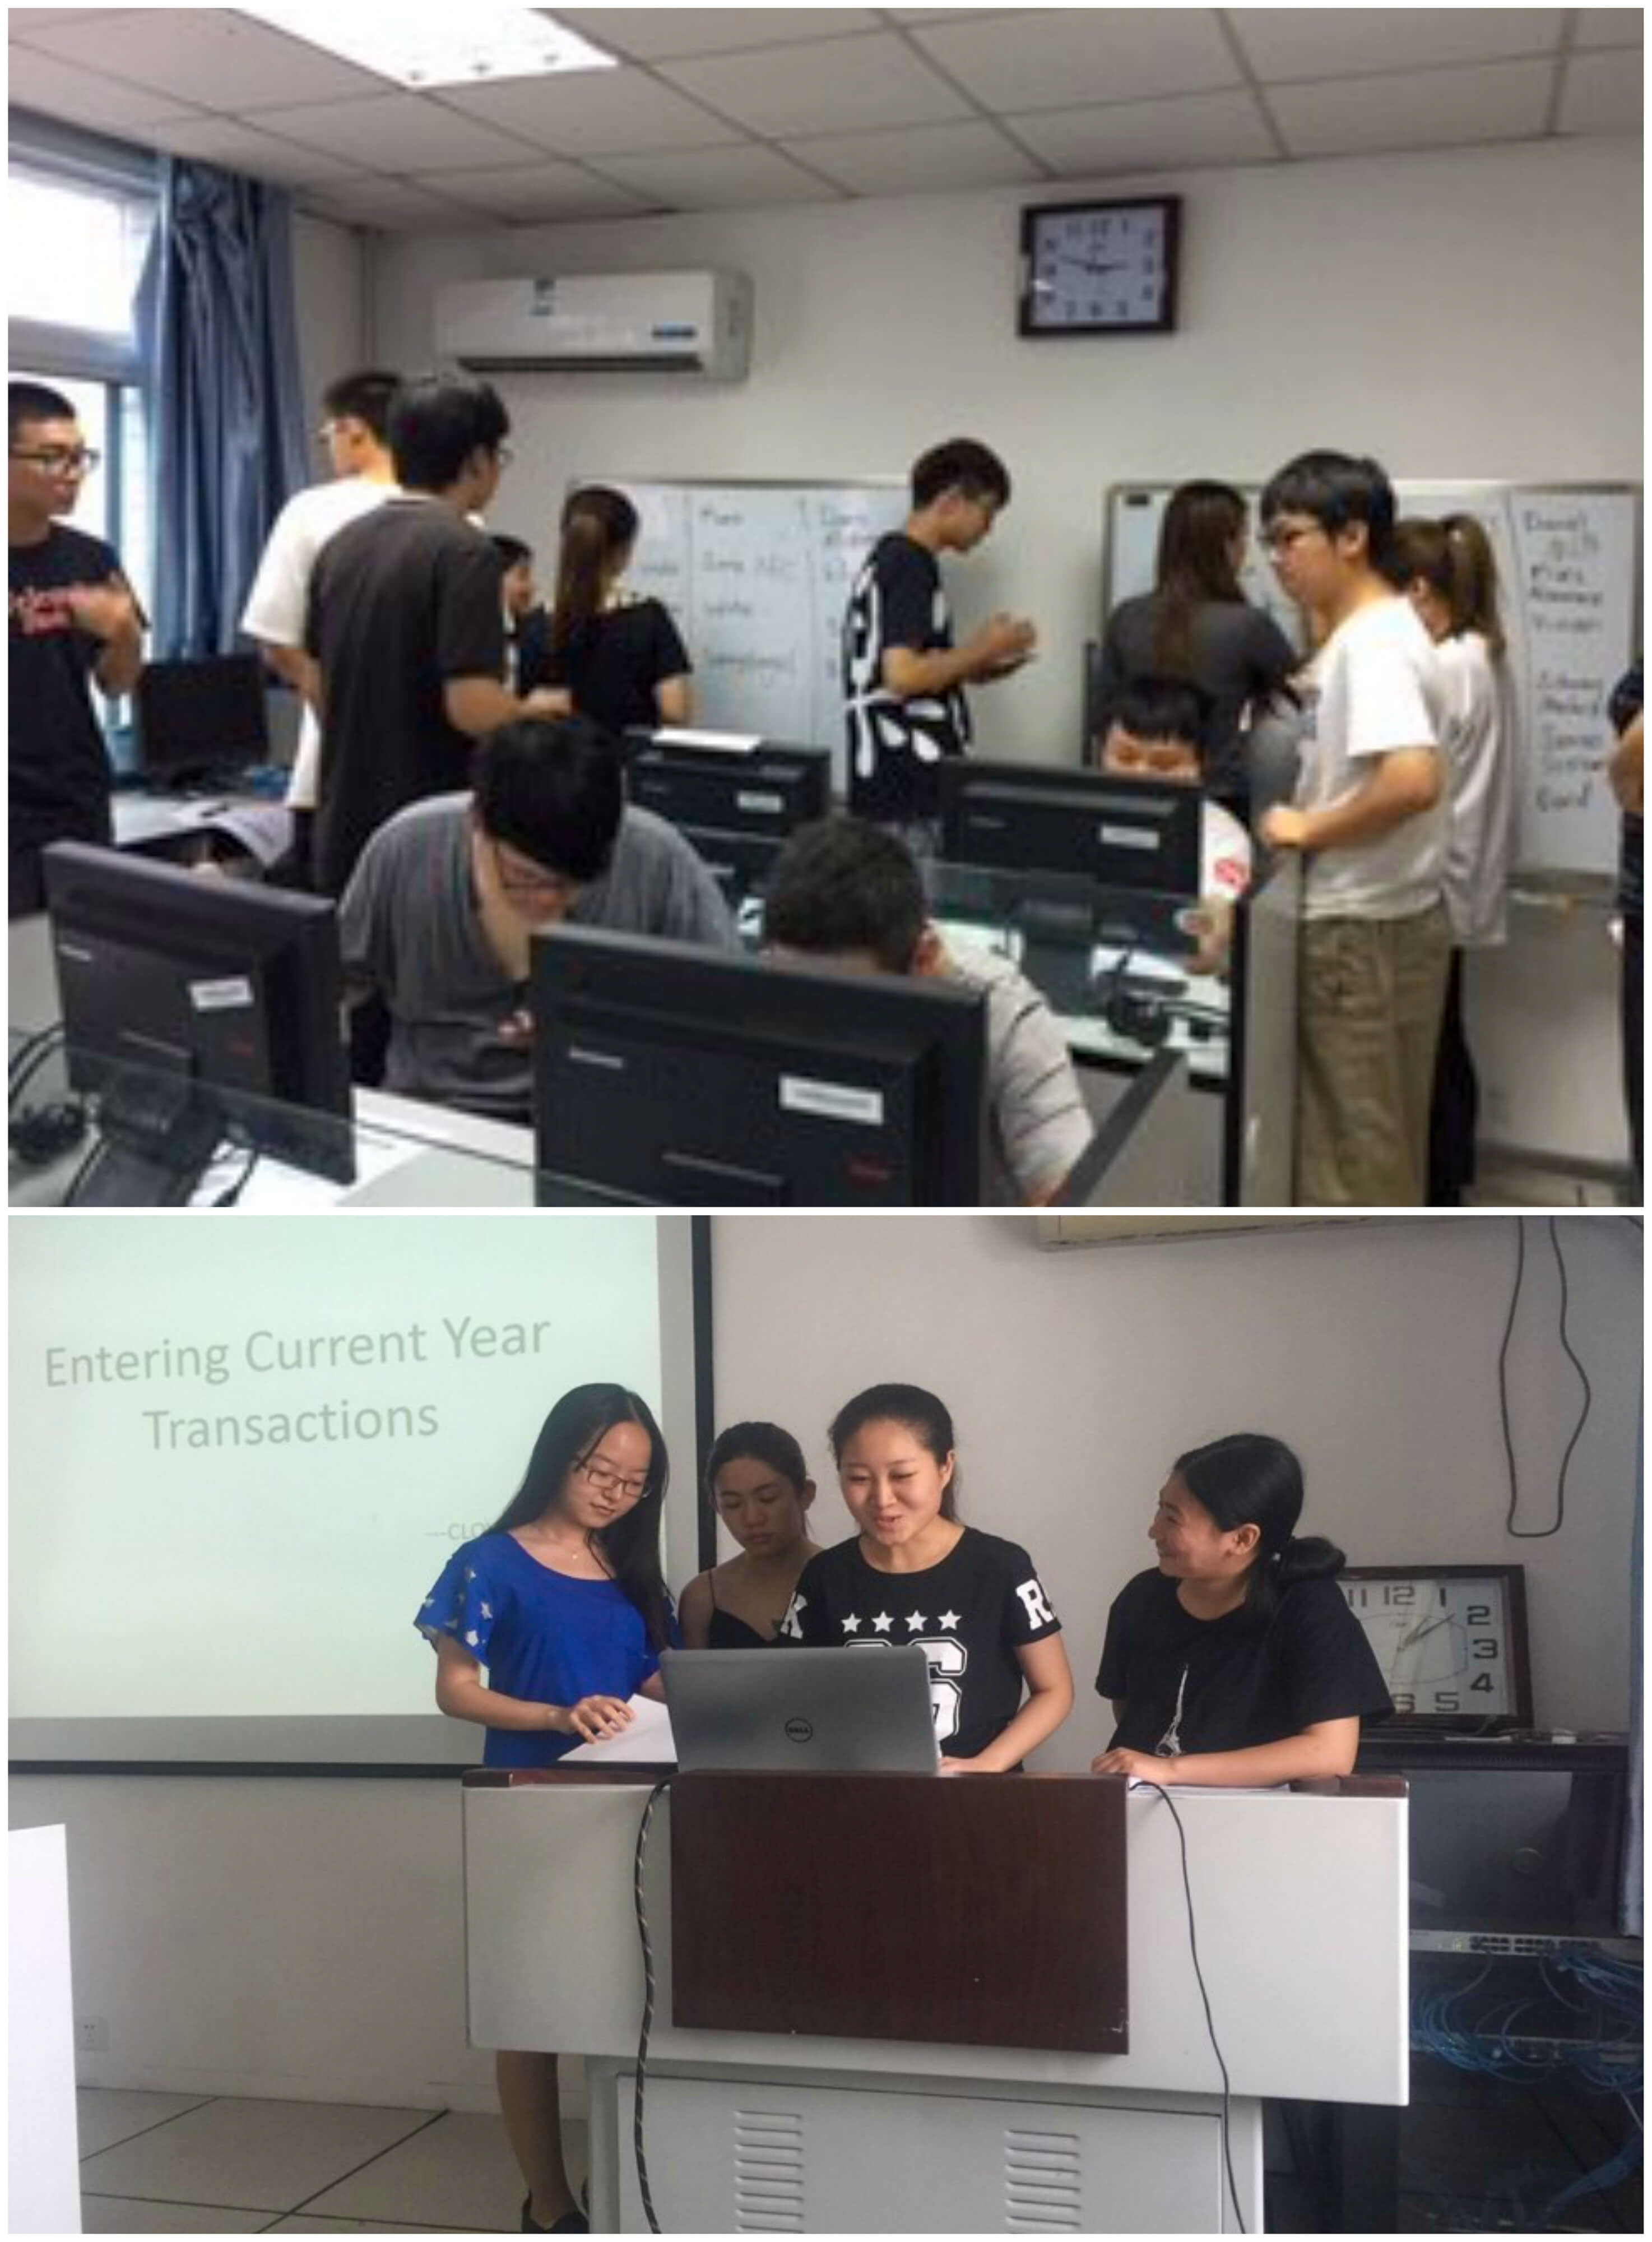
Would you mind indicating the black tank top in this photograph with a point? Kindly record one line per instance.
(727, 1630)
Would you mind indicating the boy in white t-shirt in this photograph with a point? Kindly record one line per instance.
(356, 433)
(1370, 818)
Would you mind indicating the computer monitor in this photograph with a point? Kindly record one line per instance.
(819, 1711)
(735, 806)
(194, 718)
(1138, 835)
(196, 1008)
(686, 1077)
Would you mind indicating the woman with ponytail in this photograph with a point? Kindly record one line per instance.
(563, 1603)
(619, 659)
(1236, 1661)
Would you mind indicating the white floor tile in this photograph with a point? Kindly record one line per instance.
(114, 2214)
(458, 2172)
(108, 2114)
(276, 2155)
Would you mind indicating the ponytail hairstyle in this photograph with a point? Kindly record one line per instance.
(1249, 1479)
(1419, 550)
(630, 1547)
(1473, 570)
(768, 1444)
(919, 1412)
(1195, 566)
(598, 528)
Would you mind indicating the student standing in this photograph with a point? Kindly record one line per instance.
(1197, 626)
(903, 678)
(357, 434)
(613, 657)
(973, 1603)
(527, 627)
(72, 621)
(562, 1607)
(760, 1487)
(1236, 1660)
(1370, 817)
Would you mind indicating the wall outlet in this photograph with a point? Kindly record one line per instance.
(91, 2035)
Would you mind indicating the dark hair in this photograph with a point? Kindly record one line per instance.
(599, 526)
(922, 1412)
(630, 1547)
(1418, 549)
(1165, 708)
(846, 884)
(554, 789)
(32, 401)
(1337, 491)
(437, 422)
(769, 1444)
(1196, 566)
(367, 397)
(1473, 571)
(960, 465)
(511, 551)
(1250, 1479)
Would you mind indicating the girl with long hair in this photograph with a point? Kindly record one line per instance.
(761, 1488)
(619, 659)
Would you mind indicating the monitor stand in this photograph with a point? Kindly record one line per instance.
(1056, 941)
(158, 1141)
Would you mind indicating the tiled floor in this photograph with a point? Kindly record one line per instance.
(182, 2164)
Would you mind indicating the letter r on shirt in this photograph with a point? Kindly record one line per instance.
(1038, 1611)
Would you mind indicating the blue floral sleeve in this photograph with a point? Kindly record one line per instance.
(462, 1604)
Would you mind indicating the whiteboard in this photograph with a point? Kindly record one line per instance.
(1569, 564)
(757, 577)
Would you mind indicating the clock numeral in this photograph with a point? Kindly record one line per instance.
(1404, 1701)
(1477, 1615)
(1445, 1601)
(1486, 1646)
(1446, 1701)
(1481, 1681)
(1356, 1596)
(1403, 1592)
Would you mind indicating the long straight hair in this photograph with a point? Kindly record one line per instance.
(1195, 567)
(1473, 578)
(1250, 1479)
(630, 1547)
(598, 528)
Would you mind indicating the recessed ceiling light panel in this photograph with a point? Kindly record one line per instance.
(423, 45)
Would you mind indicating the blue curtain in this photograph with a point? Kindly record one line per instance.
(219, 332)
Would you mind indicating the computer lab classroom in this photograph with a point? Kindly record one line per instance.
(746, 270)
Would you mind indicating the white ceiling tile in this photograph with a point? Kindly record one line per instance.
(1431, 109)
(398, 132)
(537, 193)
(212, 56)
(649, 34)
(1609, 27)
(617, 112)
(1055, 58)
(1151, 135)
(1285, 43)
(920, 159)
(718, 179)
(392, 204)
(238, 148)
(57, 89)
(1601, 96)
(841, 85)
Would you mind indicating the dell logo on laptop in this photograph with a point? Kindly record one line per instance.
(798, 1729)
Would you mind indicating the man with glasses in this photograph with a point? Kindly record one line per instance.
(439, 917)
(73, 620)
(406, 627)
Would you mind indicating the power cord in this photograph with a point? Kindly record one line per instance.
(1192, 1946)
(638, 2148)
(1539, 1533)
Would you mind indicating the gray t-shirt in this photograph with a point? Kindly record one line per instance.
(1037, 1121)
(408, 924)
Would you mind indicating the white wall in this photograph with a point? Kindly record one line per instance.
(330, 283)
(1461, 315)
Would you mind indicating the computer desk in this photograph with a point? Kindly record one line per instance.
(178, 826)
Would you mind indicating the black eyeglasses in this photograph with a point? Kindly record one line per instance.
(59, 459)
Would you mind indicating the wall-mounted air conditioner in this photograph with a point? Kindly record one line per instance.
(694, 323)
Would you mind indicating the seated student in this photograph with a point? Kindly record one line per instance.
(527, 627)
(611, 655)
(849, 891)
(439, 911)
(1236, 1660)
(762, 1490)
(1158, 730)
(913, 1574)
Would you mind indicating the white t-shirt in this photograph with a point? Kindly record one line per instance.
(1479, 841)
(280, 595)
(1225, 853)
(1375, 686)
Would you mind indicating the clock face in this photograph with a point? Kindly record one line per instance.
(1444, 1641)
(1100, 268)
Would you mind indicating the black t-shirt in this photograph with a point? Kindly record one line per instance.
(969, 1614)
(401, 601)
(60, 780)
(1627, 700)
(1236, 653)
(898, 600)
(1240, 1684)
(612, 665)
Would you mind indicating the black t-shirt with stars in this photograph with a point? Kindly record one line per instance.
(969, 1614)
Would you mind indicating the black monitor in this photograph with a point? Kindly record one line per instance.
(196, 718)
(686, 1077)
(735, 807)
(196, 1008)
(1138, 835)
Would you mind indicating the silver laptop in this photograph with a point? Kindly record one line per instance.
(828, 1712)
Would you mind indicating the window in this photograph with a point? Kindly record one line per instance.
(76, 253)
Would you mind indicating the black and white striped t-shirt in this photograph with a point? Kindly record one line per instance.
(898, 600)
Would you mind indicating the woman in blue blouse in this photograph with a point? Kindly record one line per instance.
(563, 1604)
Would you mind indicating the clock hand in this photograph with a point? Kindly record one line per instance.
(1417, 1634)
